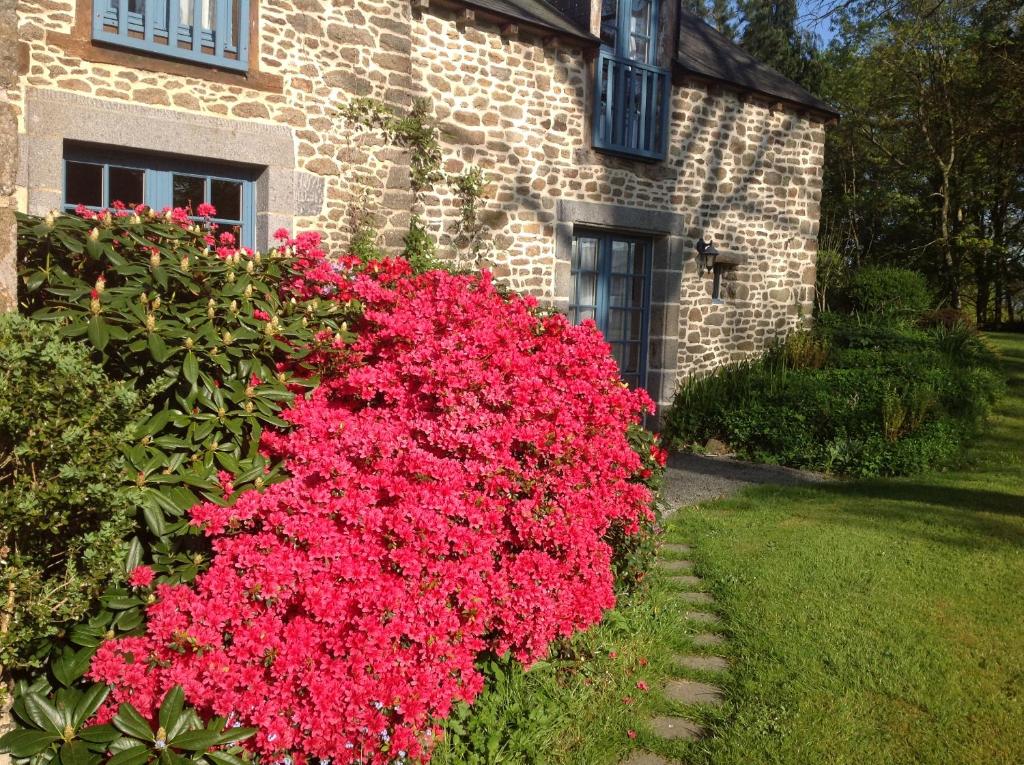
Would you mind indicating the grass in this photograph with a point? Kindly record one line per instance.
(878, 621)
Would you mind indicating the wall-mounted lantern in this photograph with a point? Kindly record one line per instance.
(707, 253)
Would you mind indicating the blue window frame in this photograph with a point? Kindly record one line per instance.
(611, 284)
(97, 178)
(631, 93)
(214, 32)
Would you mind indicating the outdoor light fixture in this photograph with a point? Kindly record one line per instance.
(707, 253)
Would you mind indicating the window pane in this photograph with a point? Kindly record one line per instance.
(618, 292)
(621, 257)
(609, 21)
(640, 17)
(584, 255)
(630, 359)
(84, 184)
(207, 13)
(189, 191)
(618, 325)
(586, 290)
(126, 185)
(639, 49)
(226, 197)
(135, 6)
(583, 314)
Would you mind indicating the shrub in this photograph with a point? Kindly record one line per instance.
(888, 291)
(455, 481)
(885, 398)
(65, 507)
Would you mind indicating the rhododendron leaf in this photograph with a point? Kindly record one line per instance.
(77, 753)
(129, 721)
(134, 555)
(154, 520)
(99, 734)
(129, 620)
(71, 665)
(170, 708)
(154, 424)
(134, 755)
(99, 335)
(157, 347)
(225, 758)
(42, 713)
(234, 735)
(195, 740)
(25, 743)
(117, 600)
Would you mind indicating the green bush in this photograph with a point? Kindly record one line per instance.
(861, 396)
(65, 507)
(887, 291)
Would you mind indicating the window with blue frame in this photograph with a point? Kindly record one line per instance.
(214, 32)
(631, 93)
(97, 179)
(611, 284)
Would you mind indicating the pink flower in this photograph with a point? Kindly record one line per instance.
(282, 233)
(206, 210)
(641, 685)
(631, 733)
(141, 576)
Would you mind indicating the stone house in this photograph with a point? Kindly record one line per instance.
(617, 138)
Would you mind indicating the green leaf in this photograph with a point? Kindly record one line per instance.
(195, 740)
(77, 753)
(233, 735)
(42, 713)
(190, 368)
(157, 348)
(25, 743)
(129, 721)
(89, 703)
(225, 758)
(171, 707)
(155, 520)
(71, 665)
(134, 557)
(99, 335)
(135, 755)
(100, 734)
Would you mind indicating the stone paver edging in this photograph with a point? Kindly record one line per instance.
(682, 691)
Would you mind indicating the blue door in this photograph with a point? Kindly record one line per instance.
(612, 286)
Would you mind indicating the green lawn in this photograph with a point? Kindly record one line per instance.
(869, 623)
(878, 621)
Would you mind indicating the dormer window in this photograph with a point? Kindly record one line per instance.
(632, 93)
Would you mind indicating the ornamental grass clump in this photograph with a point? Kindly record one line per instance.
(454, 482)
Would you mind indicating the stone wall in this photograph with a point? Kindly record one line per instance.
(516, 105)
(739, 172)
(8, 154)
(309, 56)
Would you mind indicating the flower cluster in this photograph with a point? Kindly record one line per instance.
(454, 478)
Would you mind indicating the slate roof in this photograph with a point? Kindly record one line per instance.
(705, 52)
(537, 13)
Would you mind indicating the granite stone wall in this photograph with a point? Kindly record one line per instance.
(516, 104)
(8, 154)
(743, 173)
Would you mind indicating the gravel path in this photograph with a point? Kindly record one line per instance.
(692, 478)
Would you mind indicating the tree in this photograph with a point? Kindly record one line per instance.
(771, 35)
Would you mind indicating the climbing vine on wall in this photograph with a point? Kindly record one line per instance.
(416, 131)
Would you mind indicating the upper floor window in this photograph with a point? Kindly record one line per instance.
(629, 28)
(97, 179)
(212, 32)
(631, 104)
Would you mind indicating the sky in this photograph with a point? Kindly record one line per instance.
(809, 10)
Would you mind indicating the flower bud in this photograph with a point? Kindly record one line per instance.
(94, 234)
(101, 284)
(189, 343)
(233, 306)
(247, 292)
(150, 322)
(185, 264)
(50, 219)
(248, 407)
(231, 277)
(250, 267)
(154, 259)
(227, 338)
(156, 302)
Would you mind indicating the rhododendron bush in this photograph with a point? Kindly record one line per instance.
(453, 481)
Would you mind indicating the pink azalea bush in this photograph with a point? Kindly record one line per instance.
(454, 479)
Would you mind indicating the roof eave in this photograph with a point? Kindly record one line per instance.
(821, 109)
(536, 26)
